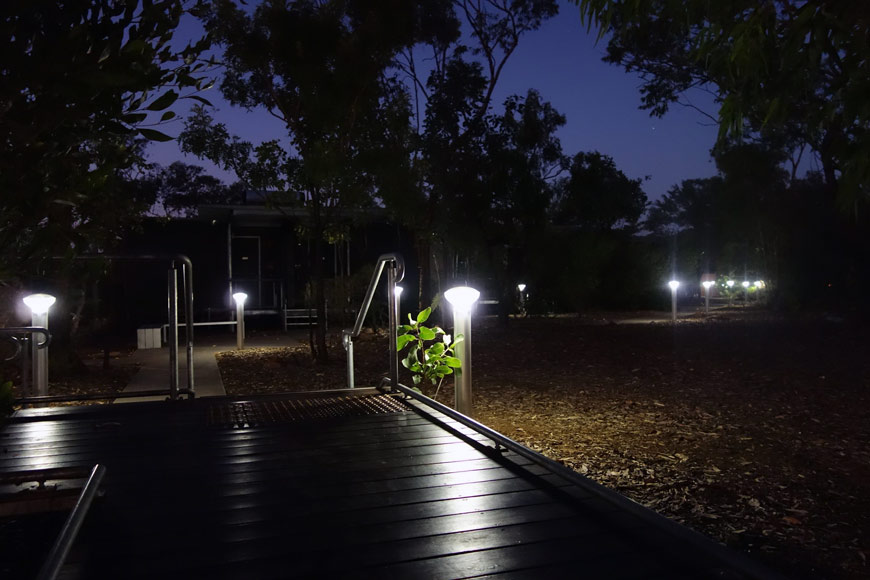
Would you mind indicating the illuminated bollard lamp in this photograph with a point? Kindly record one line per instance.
(673, 285)
(462, 298)
(39, 305)
(240, 298)
(707, 285)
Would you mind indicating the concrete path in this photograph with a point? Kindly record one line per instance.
(153, 370)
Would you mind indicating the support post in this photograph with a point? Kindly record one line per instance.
(462, 299)
(39, 305)
(40, 356)
(393, 308)
(347, 341)
(240, 298)
(172, 332)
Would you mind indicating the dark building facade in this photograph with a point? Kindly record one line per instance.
(260, 251)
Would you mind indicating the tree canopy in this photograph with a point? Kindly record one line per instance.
(798, 70)
(84, 83)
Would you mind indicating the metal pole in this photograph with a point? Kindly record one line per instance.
(240, 324)
(393, 308)
(674, 304)
(26, 387)
(707, 299)
(187, 270)
(463, 401)
(40, 356)
(61, 548)
(172, 292)
(347, 341)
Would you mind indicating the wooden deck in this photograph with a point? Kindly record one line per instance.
(282, 488)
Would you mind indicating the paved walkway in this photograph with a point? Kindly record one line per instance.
(154, 363)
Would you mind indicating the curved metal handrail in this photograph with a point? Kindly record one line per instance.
(395, 274)
(11, 331)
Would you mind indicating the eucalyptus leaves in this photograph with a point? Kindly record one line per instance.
(430, 355)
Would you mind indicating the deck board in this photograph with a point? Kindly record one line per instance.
(399, 494)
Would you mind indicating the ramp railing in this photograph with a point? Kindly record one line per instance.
(395, 265)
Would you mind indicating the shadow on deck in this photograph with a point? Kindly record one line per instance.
(333, 485)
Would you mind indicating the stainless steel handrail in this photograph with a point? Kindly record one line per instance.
(395, 274)
(10, 332)
(70, 530)
(187, 274)
(13, 330)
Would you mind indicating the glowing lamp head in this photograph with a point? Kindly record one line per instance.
(707, 284)
(521, 287)
(759, 284)
(240, 298)
(673, 285)
(729, 283)
(399, 291)
(745, 284)
(462, 298)
(39, 303)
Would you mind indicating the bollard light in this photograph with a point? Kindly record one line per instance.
(522, 288)
(240, 298)
(39, 305)
(462, 298)
(674, 284)
(707, 284)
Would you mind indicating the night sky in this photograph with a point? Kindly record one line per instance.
(564, 64)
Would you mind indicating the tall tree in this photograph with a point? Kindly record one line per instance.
(180, 188)
(454, 77)
(799, 69)
(596, 196)
(322, 69)
(80, 81)
(524, 159)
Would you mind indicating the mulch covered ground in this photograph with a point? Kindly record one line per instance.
(751, 429)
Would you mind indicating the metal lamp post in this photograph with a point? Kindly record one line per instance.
(39, 305)
(730, 284)
(462, 298)
(707, 284)
(673, 285)
(240, 298)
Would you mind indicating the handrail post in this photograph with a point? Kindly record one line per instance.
(396, 271)
(392, 306)
(347, 341)
(172, 291)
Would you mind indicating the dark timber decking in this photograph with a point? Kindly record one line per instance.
(282, 488)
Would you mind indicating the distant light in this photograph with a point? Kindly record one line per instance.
(759, 284)
(745, 284)
(707, 283)
(730, 283)
(240, 298)
(39, 303)
(521, 287)
(462, 297)
(674, 284)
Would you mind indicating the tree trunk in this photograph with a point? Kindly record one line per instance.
(321, 354)
(424, 261)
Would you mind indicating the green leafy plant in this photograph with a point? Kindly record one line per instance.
(430, 350)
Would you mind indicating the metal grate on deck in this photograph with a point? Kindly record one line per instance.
(246, 414)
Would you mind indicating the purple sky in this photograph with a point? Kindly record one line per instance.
(600, 102)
